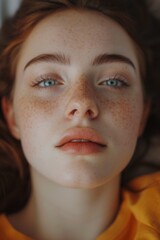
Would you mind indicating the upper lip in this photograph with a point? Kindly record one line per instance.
(81, 133)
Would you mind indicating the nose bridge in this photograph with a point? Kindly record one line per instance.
(83, 90)
(82, 100)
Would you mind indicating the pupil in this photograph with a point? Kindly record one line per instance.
(112, 82)
(48, 83)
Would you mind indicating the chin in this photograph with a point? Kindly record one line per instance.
(82, 179)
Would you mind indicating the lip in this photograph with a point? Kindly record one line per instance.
(93, 141)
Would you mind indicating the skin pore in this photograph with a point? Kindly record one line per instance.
(78, 71)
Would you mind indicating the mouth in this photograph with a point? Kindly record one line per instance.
(81, 141)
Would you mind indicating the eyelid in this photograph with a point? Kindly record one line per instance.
(117, 77)
(46, 77)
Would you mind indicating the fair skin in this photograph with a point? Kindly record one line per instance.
(75, 188)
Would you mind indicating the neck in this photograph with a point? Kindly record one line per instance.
(56, 212)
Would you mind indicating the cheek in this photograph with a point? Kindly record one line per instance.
(36, 120)
(34, 117)
(124, 115)
(30, 109)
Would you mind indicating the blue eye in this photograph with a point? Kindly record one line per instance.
(47, 83)
(115, 83)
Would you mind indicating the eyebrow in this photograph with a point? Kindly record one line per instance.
(56, 58)
(65, 60)
(109, 58)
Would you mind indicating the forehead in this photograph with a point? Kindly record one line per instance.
(78, 32)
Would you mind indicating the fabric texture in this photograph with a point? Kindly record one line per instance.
(138, 217)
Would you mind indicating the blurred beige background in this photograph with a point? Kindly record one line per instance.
(7, 7)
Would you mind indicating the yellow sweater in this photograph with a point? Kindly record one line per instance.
(138, 217)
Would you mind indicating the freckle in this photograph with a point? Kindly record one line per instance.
(83, 90)
(129, 114)
(31, 108)
(121, 111)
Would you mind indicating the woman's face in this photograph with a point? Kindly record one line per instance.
(78, 103)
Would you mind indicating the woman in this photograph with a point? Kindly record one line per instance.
(79, 104)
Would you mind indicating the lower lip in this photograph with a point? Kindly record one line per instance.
(82, 148)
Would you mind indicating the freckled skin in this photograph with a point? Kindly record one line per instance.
(122, 110)
(43, 115)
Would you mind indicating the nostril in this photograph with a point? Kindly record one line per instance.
(80, 113)
(74, 112)
(90, 114)
(80, 108)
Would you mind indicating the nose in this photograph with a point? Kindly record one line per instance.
(82, 102)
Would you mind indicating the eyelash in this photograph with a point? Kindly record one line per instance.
(45, 78)
(121, 82)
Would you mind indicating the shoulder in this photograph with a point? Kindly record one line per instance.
(138, 216)
(7, 232)
(145, 182)
(142, 196)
